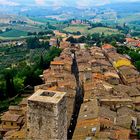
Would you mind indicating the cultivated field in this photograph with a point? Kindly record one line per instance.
(84, 29)
(14, 33)
(74, 28)
(130, 18)
(18, 30)
(107, 31)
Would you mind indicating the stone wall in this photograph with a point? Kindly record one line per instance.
(47, 121)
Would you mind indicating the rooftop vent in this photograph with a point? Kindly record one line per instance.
(48, 94)
(88, 138)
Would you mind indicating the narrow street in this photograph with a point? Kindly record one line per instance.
(78, 98)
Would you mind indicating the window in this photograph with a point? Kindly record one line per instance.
(11, 123)
(4, 123)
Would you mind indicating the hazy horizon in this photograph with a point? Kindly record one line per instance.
(75, 3)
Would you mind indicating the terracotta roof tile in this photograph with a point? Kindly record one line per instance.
(10, 117)
(129, 40)
(107, 46)
(57, 63)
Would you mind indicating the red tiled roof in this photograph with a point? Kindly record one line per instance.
(107, 46)
(138, 45)
(57, 63)
(130, 40)
(98, 76)
(121, 134)
(10, 117)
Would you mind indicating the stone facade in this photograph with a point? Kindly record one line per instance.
(47, 116)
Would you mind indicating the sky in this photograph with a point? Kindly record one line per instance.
(76, 3)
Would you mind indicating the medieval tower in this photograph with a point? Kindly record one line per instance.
(47, 116)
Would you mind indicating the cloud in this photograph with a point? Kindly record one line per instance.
(40, 2)
(51, 2)
(59, 3)
(76, 3)
(85, 3)
(8, 2)
(79, 3)
(113, 1)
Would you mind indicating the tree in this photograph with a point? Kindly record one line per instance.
(52, 53)
(1, 31)
(2, 90)
(19, 84)
(82, 39)
(41, 63)
(32, 33)
(33, 43)
(51, 27)
(113, 43)
(45, 44)
(58, 43)
(138, 134)
(41, 33)
(32, 79)
(96, 37)
(137, 64)
(78, 33)
(10, 89)
(71, 40)
(8, 29)
(134, 55)
(122, 49)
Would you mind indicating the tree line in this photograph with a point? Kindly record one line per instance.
(98, 39)
(13, 80)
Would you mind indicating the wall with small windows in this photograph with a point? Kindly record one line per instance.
(9, 125)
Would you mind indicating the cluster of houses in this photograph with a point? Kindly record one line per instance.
(110, 106)
(111, 94)
(59, 78)
(132, 43)
(13, 122)
(75, 22)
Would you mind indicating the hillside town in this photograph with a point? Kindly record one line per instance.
(69, 70)
(88, 93)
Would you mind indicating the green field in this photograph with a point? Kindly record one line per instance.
(84, 29)
(28, 28)
(14, 33)
(75, 28)
(130, 18)
(105, 30)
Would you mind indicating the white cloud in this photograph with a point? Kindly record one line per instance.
(124, 0)
(8, 2)
(79, 3)
(40, 2)
(59, 3)
(82, 3)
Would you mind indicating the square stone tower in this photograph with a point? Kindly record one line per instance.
(47, 116)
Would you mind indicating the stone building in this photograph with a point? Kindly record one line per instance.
(53, 42)
(108, 48)
(47, 116)
(57, 66)
(10, 122)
